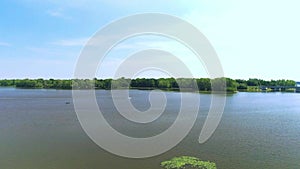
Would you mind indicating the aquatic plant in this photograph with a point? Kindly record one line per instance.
(186, 161)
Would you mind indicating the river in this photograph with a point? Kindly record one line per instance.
(38, 130)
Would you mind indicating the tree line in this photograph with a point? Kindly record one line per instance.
(201, 84)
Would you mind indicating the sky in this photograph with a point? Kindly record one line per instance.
(253, 39)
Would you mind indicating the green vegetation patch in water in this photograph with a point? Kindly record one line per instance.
(186, 161)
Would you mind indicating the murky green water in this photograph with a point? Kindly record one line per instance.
(38, 130)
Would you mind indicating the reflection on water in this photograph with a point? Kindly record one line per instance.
(39, 130)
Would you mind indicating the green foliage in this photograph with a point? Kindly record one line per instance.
(142, 82)
(202, 84)
(231, 85)
(103, 84)
(186, 161)
(7, 82)
(120, 83)
(219, 84)
(164, 83)
(260, 82)
(187, 83)
(242, 86)
(253, 82)
(224, 84)
(27, 83)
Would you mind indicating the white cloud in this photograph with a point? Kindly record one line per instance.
(59, 13)
(5, 44)
(71, 42)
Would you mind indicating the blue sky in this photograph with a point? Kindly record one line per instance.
(252, 38)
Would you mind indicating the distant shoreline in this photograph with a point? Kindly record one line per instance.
(201, 85)
(166, 90)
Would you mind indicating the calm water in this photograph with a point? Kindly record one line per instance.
(39, 131)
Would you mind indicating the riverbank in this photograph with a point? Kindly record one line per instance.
(202, 85)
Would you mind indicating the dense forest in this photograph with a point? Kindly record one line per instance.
(201, 84)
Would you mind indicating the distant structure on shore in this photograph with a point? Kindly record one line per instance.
(295, 88)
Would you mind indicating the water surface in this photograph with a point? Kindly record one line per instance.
(39, 130)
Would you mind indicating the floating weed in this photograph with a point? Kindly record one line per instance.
(186, 161)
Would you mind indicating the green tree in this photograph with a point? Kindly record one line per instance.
(186, 83)
(204, 84)
(253, 82)
(231, 85)
(164, 83)
(120, 83)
